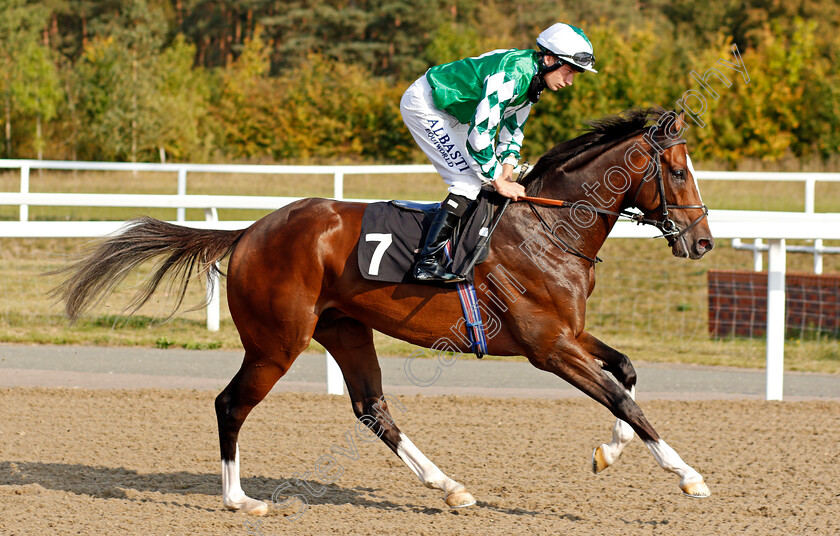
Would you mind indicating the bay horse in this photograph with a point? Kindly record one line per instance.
(293, 276)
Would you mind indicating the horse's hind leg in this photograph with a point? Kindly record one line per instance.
(578, 367)
(619, 365)
(248, 387)
(351, 344)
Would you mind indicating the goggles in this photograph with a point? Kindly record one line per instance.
(584, 59)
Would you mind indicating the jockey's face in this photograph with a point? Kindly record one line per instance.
(559, 78)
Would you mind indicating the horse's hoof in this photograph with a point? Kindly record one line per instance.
(460, 499)
(249, 506)
(697, 489)
(599, 462)
(255, 508)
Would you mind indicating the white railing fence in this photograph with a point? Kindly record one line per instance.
(809, 180)
(758, 247)
(774, 227)
(338, 173)
(180, 201)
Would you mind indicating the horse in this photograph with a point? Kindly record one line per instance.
(293, 277)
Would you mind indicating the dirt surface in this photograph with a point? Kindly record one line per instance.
(75, 461)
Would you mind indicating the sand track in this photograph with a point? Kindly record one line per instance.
(79, 461)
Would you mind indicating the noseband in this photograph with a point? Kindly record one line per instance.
(668, 227)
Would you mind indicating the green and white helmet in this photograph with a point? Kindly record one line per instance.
(568, 43)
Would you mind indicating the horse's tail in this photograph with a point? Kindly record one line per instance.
(183, 252)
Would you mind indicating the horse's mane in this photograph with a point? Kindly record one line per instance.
(599, 132)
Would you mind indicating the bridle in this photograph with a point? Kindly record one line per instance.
(668, 227)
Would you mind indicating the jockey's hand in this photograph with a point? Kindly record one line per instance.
(505, 184)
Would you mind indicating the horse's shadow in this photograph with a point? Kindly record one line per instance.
(118, 483)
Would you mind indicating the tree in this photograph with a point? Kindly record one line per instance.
(239, 106)
(39, 90)
(220, 28)
(789, 107)
(242, 78)
(28, 81)
(387, 37)
(335, 110)
(118, 81)
(181, 103)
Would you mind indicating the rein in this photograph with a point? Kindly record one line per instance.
(542, 200)
(666, 225)
(559, 242)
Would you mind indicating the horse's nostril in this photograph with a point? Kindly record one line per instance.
(707, 245)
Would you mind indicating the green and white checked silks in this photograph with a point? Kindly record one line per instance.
(488, 93)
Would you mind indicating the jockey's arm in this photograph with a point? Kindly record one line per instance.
(490, 112)
(505, 184)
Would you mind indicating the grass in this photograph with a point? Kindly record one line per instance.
(646, 303)
(420, 187)
(654, 308)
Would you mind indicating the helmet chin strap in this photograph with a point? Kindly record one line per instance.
(538, 81)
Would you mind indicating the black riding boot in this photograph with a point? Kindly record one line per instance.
(430, 265)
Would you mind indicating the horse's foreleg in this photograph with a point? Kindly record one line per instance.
(455, 493)
(611, 360)
(607, 454)
(351, 344)
(619, 365)
(250, 385)
(578, 367)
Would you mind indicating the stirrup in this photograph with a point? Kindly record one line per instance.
(429, 269)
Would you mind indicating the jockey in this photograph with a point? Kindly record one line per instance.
(455, 111)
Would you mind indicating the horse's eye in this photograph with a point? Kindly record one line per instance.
(678, 174)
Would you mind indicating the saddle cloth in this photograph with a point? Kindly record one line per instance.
(393, 233)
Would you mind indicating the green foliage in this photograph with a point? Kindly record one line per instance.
(788, 107)
(105, 100)
(241, 106)
(307, 80)
(322, 109)
(28, 78)
(181, 103)
(383, 36)
(38, 89)
(334, 110)
(453, 41)
(117, 78)
(137, 99)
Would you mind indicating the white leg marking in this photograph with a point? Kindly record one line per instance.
(232, 495)
(430, 475)
(622, 435)
(426, 471)
(691, 481)
(608, 453)
(671, 461)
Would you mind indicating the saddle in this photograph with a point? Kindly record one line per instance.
(393, 233)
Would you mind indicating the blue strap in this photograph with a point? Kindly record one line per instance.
(472, 318)
(472, 315)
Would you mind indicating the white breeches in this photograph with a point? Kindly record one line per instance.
(442, 138)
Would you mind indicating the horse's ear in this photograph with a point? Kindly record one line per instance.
(680, 123)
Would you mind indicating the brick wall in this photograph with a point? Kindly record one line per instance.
(738, 304)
